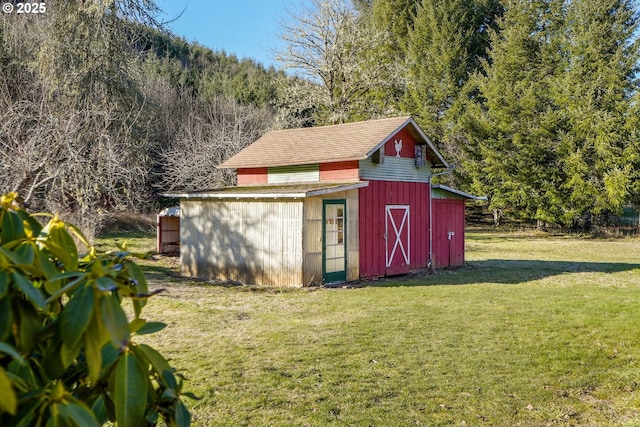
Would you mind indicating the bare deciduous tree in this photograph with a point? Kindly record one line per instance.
(73, 125)
(328, 44)
(206, 135)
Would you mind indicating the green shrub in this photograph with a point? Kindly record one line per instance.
(67, 350)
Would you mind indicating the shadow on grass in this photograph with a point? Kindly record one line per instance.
(501, 271)
(511, 272)
(161, 273)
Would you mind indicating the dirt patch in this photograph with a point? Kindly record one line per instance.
(124, 221)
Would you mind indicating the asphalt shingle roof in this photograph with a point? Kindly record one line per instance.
(335, 143)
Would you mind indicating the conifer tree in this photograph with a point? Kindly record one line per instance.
(553, 135)
(445, 44)
(512, 154)
(596, 89)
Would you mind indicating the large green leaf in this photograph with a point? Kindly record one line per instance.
(31, 292)
(160, 366)
(109, 355)
(151, 327)
(26, 252)
(77, 314)
(5, 317)
(64, 239)
(57, 251)
(7, 349)
(69, 354)
(55, 237)
(23, 376)
(12, 228)
(5, 281)
(135, 272)
(182, 415)
(76, 413)
(29, 324)
(93, 354)
(49, 270)
(130, 392)
(99, 409)
(114, 320)
(8, 402)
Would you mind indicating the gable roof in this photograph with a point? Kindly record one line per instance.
(322, 144)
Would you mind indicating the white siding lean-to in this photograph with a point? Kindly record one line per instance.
(257, 242)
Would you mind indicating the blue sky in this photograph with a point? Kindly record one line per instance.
(246, 28)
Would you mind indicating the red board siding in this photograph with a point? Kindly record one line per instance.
(408, 145)
(252, 176)
(448, 216)
(373, 200)
(339, 171)
(329, 172)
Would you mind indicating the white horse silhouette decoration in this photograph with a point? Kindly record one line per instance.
(398, 145)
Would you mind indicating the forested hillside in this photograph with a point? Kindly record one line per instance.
(535, 101)
(101, 110)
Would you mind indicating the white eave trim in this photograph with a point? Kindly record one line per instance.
(348, 187)
(458, 192)
(267, 195)
(230, 195)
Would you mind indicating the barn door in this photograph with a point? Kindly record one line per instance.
(398, 248)
(334, 248)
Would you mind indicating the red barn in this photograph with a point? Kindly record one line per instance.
(326, 204)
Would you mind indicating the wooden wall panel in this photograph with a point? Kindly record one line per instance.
(252, 176)
(339, 171)
(373, 200)
(168, 233)
(312, 236)
(257, 242)
(408, 144)
(394, 169)
(293, 174)
(448, 217)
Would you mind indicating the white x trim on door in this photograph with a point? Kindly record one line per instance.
(398, 231)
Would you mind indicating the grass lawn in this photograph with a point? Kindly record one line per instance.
(534, 331)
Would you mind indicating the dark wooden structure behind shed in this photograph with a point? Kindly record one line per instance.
(326, 204)
(168, 231)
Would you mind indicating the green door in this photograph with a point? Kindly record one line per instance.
(334, 244)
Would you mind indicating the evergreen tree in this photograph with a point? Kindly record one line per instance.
(437, 61)
(388, 22)
(445, 44)
(512, 155)
(597, 85)
(552, 133)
